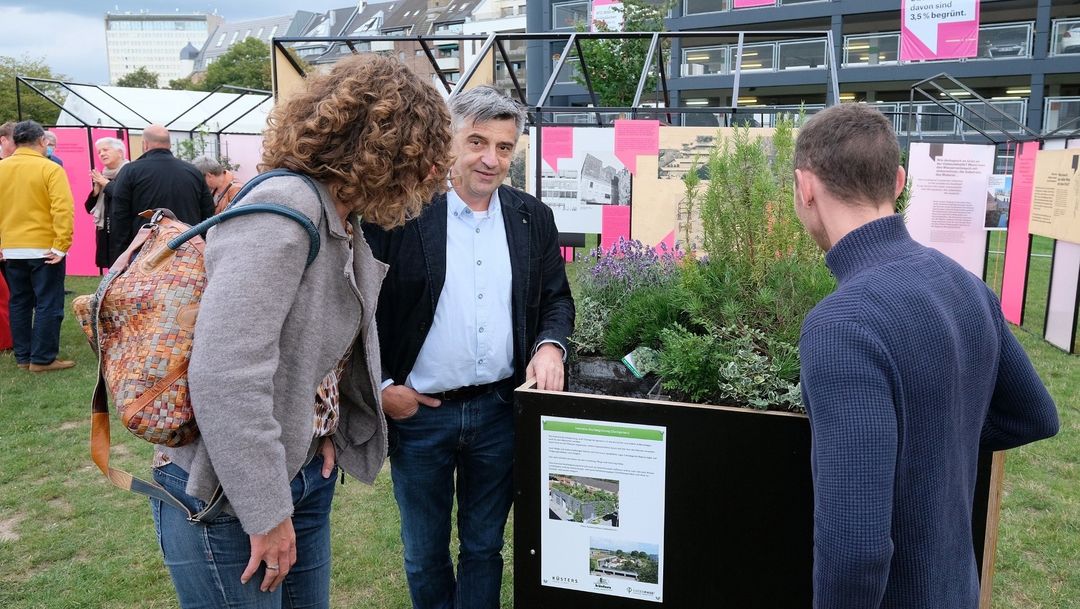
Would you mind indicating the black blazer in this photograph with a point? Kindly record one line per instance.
(156, 179)
(542, 306)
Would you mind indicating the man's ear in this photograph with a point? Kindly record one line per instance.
(804, 186)
(901, 182)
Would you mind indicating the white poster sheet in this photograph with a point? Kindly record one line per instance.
(947, 209)
(602, 507)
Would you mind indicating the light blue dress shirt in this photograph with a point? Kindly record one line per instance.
(471, 340)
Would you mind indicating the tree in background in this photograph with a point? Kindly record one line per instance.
(614, 65)
(33, 105)
(139, 79)
(245, 64)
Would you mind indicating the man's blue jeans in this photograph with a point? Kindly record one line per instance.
(476, 438)
(205, 560)
(36, 308)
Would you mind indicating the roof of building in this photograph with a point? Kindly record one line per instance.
(228, 34)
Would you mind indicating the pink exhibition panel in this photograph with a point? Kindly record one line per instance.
(636, 137)
(938, 29)
(245, 150)
(558, 143)
(616, 224)
(1018, 241)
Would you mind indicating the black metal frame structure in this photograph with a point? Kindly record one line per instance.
(30, 83)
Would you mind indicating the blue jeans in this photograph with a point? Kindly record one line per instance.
(36, 308)
(475, 437)
(205, 560)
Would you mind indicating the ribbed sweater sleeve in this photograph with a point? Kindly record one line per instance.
(847, 383)
(1021, 409)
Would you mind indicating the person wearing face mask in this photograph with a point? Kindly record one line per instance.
(111, 152)
(50, 148)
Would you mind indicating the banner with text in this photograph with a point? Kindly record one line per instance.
(939, 29)
(1055, 202)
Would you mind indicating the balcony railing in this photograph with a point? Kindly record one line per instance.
(932, 119)
(1061, 112)
(783, 55)
(1065, 37)
(998, 41)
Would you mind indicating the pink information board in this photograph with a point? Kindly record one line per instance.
(1018, 240)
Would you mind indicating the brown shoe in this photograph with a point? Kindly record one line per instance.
(24, 366)
(57, 364)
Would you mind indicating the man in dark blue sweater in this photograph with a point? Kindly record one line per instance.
(908, 369)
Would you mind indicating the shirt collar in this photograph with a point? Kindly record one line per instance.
(456, 206)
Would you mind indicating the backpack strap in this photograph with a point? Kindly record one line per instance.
(232, 211)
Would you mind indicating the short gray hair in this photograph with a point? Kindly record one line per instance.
(51, 136)
(485, 103)
(112, 142)
(208, 165)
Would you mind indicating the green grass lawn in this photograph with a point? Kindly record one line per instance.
(68, 539)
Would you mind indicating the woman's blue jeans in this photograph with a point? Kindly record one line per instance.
(470, 443)
(206, 559)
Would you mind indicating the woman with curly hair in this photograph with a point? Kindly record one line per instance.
(284, 374)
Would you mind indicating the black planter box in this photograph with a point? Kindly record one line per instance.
(738, 504)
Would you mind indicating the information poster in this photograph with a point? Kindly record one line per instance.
(602, 507)
(608, 12)
(947, 209)
(1055, 200)
(939, 29)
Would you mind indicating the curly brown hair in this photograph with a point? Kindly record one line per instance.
(373, 131)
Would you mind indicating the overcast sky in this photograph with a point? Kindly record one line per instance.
(70, 34)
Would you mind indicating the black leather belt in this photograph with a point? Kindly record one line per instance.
(467, 393)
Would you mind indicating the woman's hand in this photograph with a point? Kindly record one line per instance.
(329, 456)
(99, 180)
(277, 548)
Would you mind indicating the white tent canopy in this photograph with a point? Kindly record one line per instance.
(124, 107)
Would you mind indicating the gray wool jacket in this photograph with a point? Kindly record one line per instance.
(267, 333)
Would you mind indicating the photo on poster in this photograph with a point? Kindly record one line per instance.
(582, 499)
(586, 177)
(620, 561)
(998, 196)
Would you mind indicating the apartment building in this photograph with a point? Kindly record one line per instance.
(1028, 62)
(155, 41)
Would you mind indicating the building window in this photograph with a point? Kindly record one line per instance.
(696, 7)
(566, 15)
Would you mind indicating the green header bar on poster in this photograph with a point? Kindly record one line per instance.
(635, 433)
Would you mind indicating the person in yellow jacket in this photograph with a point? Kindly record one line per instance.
(36, 219)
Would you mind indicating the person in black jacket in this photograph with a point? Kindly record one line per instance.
(475, 301)
(156, 179)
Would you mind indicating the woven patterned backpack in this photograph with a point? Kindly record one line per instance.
(141, 322)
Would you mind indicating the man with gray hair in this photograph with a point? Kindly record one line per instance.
(157, 179)
(475, 302)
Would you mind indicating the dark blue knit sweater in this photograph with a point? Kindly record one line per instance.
(907, 370)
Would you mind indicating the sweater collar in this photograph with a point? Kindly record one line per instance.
(869, 245)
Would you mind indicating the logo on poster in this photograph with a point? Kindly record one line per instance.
(564, 580)
(601, 584)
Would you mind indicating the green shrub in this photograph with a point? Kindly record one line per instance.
(640, 321)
